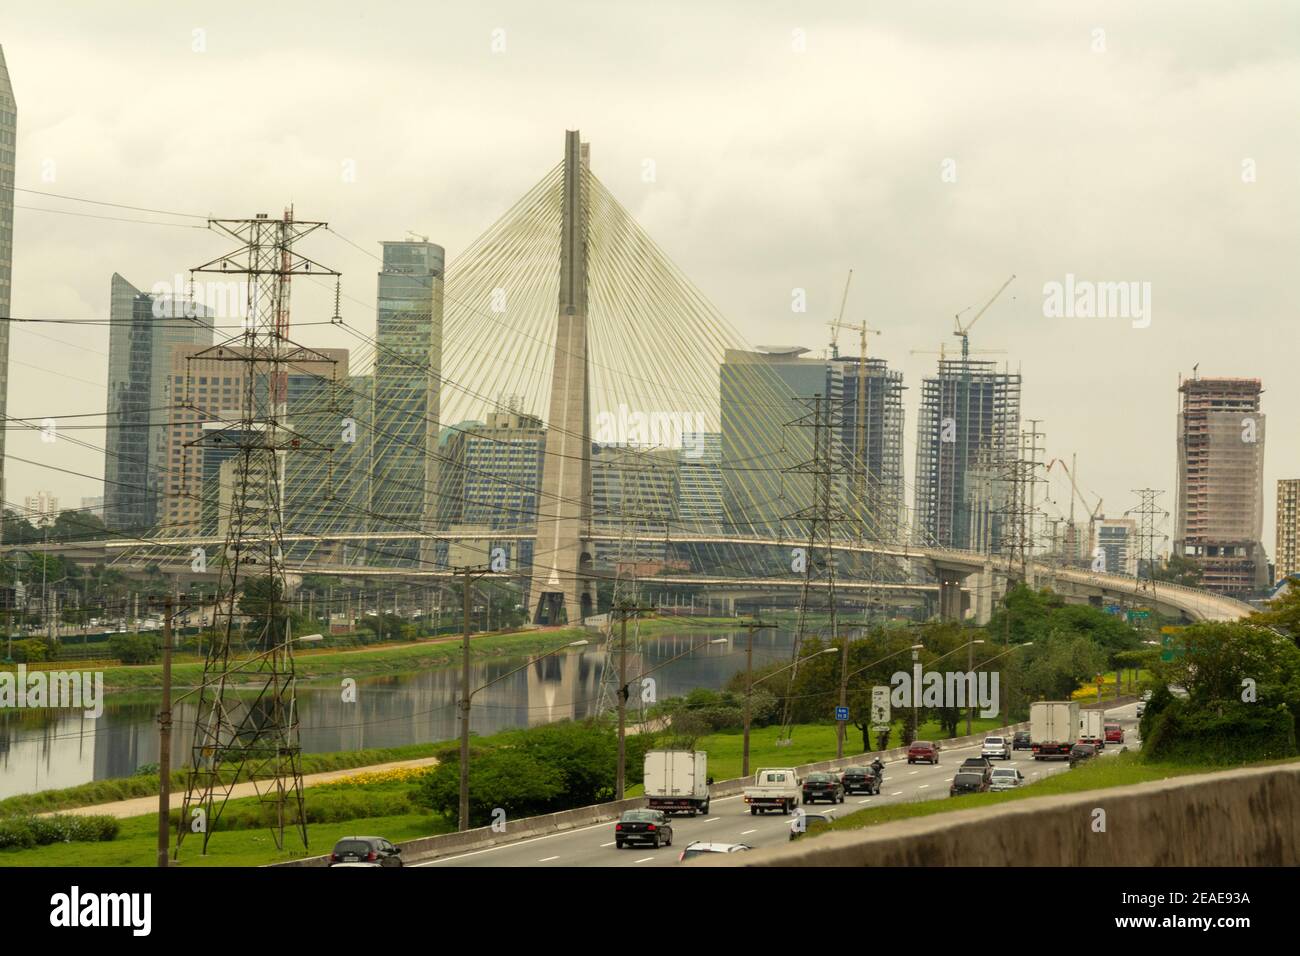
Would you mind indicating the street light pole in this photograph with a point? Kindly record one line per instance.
(470, 573)
(841, 725)
(970, 669)
(624, 609)
(751, 627)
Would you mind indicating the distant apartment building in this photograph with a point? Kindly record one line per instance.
(1220, 506)
(41, 508)
(969, 418)
(206, 395)
(143, 330)
(767, 417)
(8, 146)
(1116, 544)
(1287, 556)
(407, 387)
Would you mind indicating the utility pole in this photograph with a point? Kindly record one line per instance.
(165, 738)
(625, 610)
(471, 574)
(751, 627)
(841, 726)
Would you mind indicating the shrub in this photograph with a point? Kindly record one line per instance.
(135, 648)
(1227, 732)
(31, 651)
(20, 832)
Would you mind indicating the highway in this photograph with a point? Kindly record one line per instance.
(729, 820)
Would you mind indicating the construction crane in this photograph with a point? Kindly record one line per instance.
(1093, 513)
(963, 332)
(839, 319)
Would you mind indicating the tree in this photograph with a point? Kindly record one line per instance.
(1178, 569)
(518, 783)
(1283, 612)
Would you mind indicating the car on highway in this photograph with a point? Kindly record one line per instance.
(860, 780)
(643, 826)
(1081, 752)
(1022, 740)
(699, 848)
(968, 781)
(979, 764)
(1006, 778)
(1114, 734)
(923, 750)
(822, 786)
(996, 747)
(365, 849)
(804, 820)
(1141, 708)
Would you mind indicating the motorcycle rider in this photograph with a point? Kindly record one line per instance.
(878, 768)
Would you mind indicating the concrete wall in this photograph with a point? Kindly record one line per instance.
(1234, 818)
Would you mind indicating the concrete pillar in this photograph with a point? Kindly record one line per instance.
(950, 596)
(983, 596)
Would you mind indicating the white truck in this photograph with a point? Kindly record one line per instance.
(1092, 727)
(774, 789)
(677, 780)
(1052, 727)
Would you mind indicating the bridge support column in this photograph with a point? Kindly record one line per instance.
(983, 596)
(951, 604)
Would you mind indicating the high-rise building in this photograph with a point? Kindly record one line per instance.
(874, 472)
(1118, 545)
(969, 416)
(1220, 506)
(143, 330)
(407, 385)
(1287, 556)
(768, 427)
(8, 145)
(699, 482)
(633, 494)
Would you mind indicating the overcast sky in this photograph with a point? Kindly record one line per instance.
(934, 148)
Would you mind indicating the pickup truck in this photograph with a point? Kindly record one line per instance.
(774, 789)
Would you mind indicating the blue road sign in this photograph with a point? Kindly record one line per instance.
(841, 713)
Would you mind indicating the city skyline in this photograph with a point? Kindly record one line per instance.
(1116, 422)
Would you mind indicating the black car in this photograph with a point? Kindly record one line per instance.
(822, 786)
(643, 826)
(982, 765)
(1081, 752)
(1022, 741)
(860, 780)
(968, 780)
(366, 849)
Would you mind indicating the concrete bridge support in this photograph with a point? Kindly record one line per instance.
(951, 604)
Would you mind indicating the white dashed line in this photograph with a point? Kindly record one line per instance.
(897, 793)
(922, 786)
(645, 859)
(863, 801)
(713, 819)
(748, 832)
(913, 773)
(547, 859)
(603, 845)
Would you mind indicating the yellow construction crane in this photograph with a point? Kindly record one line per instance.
(839, 319)
(963, 332)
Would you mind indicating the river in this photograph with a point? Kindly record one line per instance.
(42, 750)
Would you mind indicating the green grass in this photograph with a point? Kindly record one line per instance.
(137, 844)
(1099, 774)
(812, 743)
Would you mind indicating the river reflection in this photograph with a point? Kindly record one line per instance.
(46, 750)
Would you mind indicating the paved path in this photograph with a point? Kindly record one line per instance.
(138, 806)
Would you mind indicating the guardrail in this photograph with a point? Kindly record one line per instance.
(481, 838)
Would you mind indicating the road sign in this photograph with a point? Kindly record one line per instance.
(880, 708)
(841, 713)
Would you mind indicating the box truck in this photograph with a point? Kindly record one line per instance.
(1092, 727)
(677, 781)
(1053, 725)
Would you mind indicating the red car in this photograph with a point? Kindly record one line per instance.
(1114, 734)
(923, 750)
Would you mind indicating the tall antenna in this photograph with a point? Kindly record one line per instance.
(246, 725)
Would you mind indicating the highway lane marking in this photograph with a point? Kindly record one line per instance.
(748, 832)
(515, 843)
(922, 786)
(913, 773)
(713, 819)
(644, 859)
(863, 801)
(897, 793)
(547, 859)
(610, 843)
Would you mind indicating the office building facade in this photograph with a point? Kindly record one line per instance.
(8, 148)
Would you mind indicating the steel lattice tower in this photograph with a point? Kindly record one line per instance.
(247, 724)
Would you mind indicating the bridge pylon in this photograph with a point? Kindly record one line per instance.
(562, 584)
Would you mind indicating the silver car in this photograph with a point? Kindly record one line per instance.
(996, 747)
(1006, 778)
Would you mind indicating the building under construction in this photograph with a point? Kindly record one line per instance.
(969, 417)
(1220, 508)
(873, 450)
